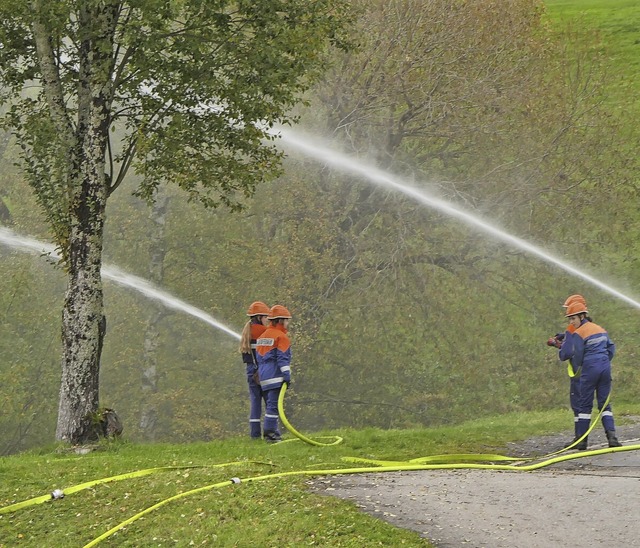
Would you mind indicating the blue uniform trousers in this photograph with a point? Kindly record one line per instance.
(256, 397)
(271, 414)
(595, 379)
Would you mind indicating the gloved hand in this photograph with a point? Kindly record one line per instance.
(553, 341)
(287, 384)
(560, 336)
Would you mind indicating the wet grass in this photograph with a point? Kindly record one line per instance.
(268, 511)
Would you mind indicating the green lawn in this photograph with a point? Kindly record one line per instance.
(615, 28)
(266, 509)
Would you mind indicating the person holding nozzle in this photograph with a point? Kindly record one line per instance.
(273, 351)
(590, 350)
(574, 374)
(257, 324)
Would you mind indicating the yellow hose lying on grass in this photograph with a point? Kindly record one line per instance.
(400, 467)
(432, 462)
(285, 421)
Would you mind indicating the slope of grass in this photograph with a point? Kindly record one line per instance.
(615, 28)
(277, 511)
(265, 513)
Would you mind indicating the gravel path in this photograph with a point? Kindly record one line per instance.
(589, 502)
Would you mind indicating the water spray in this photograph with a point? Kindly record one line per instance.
(11, 239)
(294, 140)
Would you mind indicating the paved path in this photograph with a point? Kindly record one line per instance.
(589, 502)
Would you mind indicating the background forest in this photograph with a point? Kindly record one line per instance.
(521, 112)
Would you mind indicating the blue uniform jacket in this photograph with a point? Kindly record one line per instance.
(273, 351)
(588, 346)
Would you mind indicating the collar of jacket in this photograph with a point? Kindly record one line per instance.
(280, 327)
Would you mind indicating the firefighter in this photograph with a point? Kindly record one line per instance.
(257, 324)
(590, 350)
(273, 351)
(574, 374)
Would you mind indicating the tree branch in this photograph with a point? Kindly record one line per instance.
(51, 82)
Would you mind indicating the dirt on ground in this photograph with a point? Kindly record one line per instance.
(590, 501)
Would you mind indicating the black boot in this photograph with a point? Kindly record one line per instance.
(272, 437)
(569, 444)
(582, 446)
(613, 441)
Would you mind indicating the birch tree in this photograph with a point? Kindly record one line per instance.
(181, 83)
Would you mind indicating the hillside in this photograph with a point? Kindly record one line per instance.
(413, 334)
(459, 319)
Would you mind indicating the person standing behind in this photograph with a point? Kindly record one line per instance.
(257, 324)
(273, 351)
(591, 349)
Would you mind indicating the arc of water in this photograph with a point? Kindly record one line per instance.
(322, 152)
(149, 290)
(11, 239)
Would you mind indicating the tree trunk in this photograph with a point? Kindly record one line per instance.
(83, 323)
(83, 320)
(149, 376)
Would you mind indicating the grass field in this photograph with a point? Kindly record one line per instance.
(276, 511)
(268, 513)
(614, 27)
(266, 510)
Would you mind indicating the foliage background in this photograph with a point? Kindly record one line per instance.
(402, 317)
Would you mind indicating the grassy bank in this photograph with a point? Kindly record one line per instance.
(612, 25)
(267, 512)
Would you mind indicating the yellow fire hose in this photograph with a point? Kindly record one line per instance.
(433, 462)
(400, 467)
(285, 421)
(120, 477)
(433, 458)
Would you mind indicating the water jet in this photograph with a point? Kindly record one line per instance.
(313, 148)
(115, 274)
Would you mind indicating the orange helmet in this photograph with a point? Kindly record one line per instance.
(258, 308)
(574, 299)
(278, 311)
(576, 308)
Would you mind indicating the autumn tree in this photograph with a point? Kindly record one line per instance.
(172, 89)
